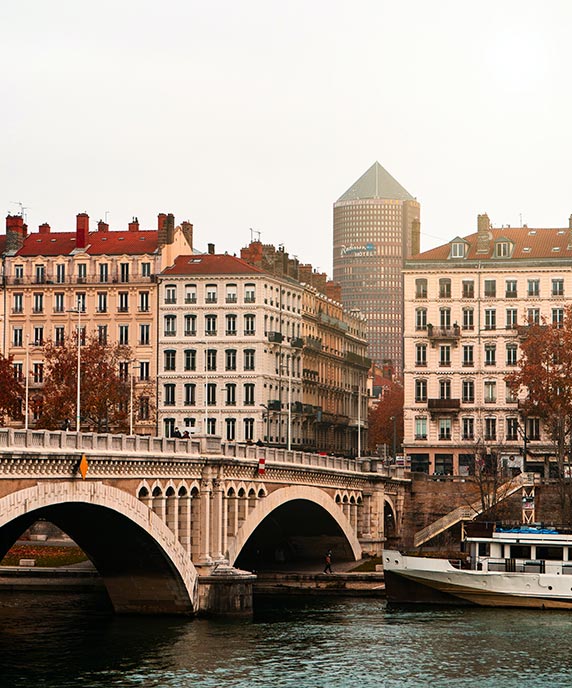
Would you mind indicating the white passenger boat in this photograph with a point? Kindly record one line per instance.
(516, 567)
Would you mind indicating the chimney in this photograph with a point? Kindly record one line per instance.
(44, 228)
(211, 249)
(134, 225)
(334, 291)
(483, 233)
(15, 233)
(187, 229)
(570, 222)
(102, 226)
(415, 237)
(82, 230)
(170, 228)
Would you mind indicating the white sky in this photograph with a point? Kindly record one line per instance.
(260, 113)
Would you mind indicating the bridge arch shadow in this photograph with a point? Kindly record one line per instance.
(293, 527)
(144, 569)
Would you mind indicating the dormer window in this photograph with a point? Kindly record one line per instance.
(503, 249)
(457, 250)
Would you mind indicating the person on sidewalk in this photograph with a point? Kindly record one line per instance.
(328, 566)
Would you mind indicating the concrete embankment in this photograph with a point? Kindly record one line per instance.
(292, 583)
(45, 579)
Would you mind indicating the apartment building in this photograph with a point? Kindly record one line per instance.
(57, 284)
(467, 305)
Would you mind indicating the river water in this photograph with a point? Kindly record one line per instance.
(67, 640)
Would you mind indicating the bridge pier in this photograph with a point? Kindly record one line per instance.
(225, 591)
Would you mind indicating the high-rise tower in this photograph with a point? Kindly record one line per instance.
(376, 227)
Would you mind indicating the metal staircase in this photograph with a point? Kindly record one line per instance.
(468, 513)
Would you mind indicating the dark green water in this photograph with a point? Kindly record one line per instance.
(57, 641)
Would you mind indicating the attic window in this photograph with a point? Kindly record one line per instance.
(195, 260)
(556, 249)
(52, 240)
(532, 232)
(561, 231)
(104, 238)
(457, 250)
(502, 249)
(526, 249)
(121, 238)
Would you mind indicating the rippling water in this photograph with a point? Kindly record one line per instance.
(55, 640)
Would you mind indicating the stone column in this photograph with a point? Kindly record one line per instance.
(205, 518)
(185, 522)
(172, 514)
(216, 519)
(224, 525)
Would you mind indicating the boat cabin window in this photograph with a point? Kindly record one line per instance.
(520, 551)
(484, 549)
(550, 553)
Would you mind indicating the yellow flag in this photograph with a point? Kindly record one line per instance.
(83, 467)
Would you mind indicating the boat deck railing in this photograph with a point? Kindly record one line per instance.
(525, 566)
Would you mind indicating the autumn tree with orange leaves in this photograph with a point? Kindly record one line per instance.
(380, 421)
(11, 390)
(105, 396)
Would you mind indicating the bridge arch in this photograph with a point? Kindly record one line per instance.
(264, 508)
(144, 568)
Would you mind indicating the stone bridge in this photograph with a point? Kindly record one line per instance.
(175, 525)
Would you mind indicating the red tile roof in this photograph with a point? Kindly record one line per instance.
(528, 244)
(98, 243)
(210, 264)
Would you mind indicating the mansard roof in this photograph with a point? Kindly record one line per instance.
(376, 183)
(98, 243)
(211, 264)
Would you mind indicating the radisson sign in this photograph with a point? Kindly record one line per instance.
(358, 251)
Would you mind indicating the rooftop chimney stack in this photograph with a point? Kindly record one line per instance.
(134, 225)
(211, 249)
(187, 229)
(483, 233)
(44, 228)
(102, 226)
(82, 230)
(15, 233)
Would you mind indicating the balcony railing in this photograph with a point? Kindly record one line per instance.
(450, 334)
(443, 406)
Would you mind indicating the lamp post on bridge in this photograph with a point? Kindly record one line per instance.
(264, 406)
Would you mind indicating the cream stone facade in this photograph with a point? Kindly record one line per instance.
(467, 303)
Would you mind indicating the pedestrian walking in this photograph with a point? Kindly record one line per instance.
(328, 566)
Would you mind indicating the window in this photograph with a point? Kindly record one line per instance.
(511, 394)
(249, 359)
(420, 428)
(231, 324)
(124, 272)
(102, 302)
(558, 317)
(170, 294)
(190, 359)
(230, 393)
(18, 371)
(533, 287)
(445, 355)
(511, 318)
(190, 293)
(124, 370)
(444, 428)
(210, 325)
(457, 250)
(170, 325)
(490, 354)
(18, 273)
(102, 334)
(468, 289)
(59, 335)
(533, 428)
(18, 306)
(468, 391)
(211, 394)
(420, 391)
(38, 373)
(421, 319)
(230, 429)
(533, 316)
(468, 355)
(490, 319)
(249, 324)
(249, 394)
(444, 389)
(502, 249)
(211, 359)
(230, 359)
(558, 287)
(124, 335)
(490, 391)
(444, 288)
(468, 428)
(421, 354)
(169, 427)
(60, 273)
(512, 428)
(190, 394)
(231, 293)
(211, 293)
(445, 318)
(146, 269)
(17, 336)
(170, 359)
(144, 408)
(38, 336)
(490, 429)
(249, 429)
(143, 370)
(511, 291)
(82, 273)
(40, 274)
(190, 325)
(143, 301)
(123, 302)
(38, 303)
(421, 288)
(490, 288)
(80, 301)
(144, 334)
(249, 293)
(103, 272)
(511, 354)
(169, 394)
(468, 319)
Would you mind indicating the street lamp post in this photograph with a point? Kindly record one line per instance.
(264, 406)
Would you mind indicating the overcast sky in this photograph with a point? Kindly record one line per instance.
(239, 114)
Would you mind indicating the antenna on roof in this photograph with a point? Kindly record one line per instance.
(106, 214)
(521, 220)
(23, 208)
(252, 233)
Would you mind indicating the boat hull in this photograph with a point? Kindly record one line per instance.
(420, 580)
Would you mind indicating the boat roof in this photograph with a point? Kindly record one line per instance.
(526, 535)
